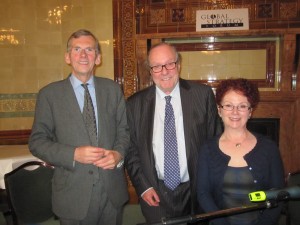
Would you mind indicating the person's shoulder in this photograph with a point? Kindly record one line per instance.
(107, 85)
(211, 142)
(53, 86)
(142, 94)
(265, 142)
(105, 81)
(194, 85)
(263, 138)
(214, 139)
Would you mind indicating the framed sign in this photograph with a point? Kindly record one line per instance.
(222, 19)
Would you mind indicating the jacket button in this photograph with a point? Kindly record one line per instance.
(91, 172)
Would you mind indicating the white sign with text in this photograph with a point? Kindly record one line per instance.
(222, 19)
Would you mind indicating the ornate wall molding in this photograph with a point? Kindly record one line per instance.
(17, 105)
(124, 35)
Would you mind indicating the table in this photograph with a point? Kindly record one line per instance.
(12, 156)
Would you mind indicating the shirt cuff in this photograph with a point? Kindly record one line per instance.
(146, 191)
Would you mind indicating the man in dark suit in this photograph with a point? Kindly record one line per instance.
(89, 186)
(196, 120)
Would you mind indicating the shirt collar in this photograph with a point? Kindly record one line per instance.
(174, 93)
(76, 82)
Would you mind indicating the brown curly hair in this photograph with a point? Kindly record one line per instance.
(240, 85)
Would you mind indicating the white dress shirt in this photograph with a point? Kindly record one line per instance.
(158, 133)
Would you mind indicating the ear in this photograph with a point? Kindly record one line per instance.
(98, 60)
(250, 113)
(179, 67)
(219, 111)
(67, 58)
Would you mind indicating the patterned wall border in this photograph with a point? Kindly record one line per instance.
(17, 105)
(128, 43)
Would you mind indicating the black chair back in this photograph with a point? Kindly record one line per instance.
(29, 190)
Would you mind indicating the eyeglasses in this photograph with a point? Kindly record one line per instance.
(159, 68)
(241, 108)
(88, 51)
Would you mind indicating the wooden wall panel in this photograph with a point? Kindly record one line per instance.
(284, 108)
(164, 16)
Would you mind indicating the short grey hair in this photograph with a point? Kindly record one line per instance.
(80, 33)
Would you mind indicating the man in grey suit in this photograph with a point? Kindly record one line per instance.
(196, 120)
(89, 186)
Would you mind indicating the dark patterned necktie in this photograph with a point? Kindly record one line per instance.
(89, 115)
(171, 161)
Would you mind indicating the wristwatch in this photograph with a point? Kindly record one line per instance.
(120, 164)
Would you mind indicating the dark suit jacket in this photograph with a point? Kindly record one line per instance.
(59, 128)
(200, 121)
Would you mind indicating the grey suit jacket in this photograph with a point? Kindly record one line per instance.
(59, 128)
(200, 121)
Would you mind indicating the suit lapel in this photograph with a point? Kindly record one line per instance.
(187, 108)
(147, 122)
(69, 98)
(101, 106)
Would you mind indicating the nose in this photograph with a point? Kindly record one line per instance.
(164, 69)
(235, 109)
(82, 52)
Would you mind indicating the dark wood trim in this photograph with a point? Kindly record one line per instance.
(14, 137)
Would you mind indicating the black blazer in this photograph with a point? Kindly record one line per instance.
(200, 120)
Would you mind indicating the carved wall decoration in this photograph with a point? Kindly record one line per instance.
(265, 10)
(174, 16)
(125, 34)
(178, 15)
(288, 10)
(157, 16)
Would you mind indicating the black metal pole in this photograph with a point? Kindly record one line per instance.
(216, 214)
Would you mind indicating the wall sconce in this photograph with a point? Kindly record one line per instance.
(9, 37)
(220, 4)
(139, 11)
(55, 15)
(294, 81)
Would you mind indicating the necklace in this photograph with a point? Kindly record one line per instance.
(236, 144)
(239, 144)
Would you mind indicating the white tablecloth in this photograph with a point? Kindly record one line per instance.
(12, 156)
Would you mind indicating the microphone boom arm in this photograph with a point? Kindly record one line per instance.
(270, 198)
(216, 214)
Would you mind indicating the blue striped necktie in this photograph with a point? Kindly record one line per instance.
(171, 161)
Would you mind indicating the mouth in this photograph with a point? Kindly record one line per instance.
(234, 119)
(83, 62)
(166, 78)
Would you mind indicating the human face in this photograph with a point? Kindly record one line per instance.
(234, 118)
(81, 60)
(165, 80)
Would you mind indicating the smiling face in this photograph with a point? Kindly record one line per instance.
(82, 57)
(234, 119)
(166, 79)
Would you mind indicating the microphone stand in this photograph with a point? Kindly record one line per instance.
(212, 215)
